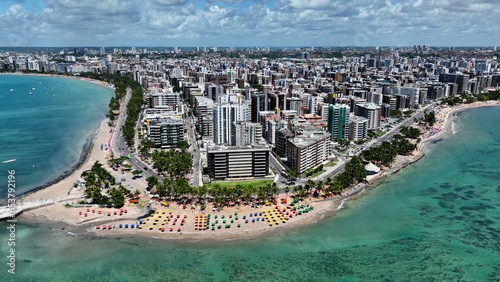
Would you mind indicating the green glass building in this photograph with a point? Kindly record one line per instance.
(338, 121)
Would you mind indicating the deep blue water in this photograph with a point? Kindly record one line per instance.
(46, 131)
(438, 219)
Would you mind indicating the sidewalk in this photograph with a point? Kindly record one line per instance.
(329, 169)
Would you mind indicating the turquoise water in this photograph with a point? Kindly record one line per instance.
(438, 219)
(47, 129)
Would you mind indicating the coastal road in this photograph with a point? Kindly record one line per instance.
(119, 144)
(197, 167)
(387, 137)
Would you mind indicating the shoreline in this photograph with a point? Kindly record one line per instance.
(84, 156)
(89, 143)
(77, 169)
(324, 207)
(98, 82)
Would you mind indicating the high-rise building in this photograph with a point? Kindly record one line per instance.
(308, 150)
(313, 104)
(338, 121)
(458, 78)
(294, 104)
(259, 104)
(358, 128)
(371, 112)
(282, 136)
(246, 133)
(160, 100)
(224, 116)
(237, 162)
(165, 132)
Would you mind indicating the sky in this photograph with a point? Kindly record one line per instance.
(241, 23)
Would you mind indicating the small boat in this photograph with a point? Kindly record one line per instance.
(33, 88)
(30, 92)
(53, 95)
(4, 162)
(12, 90)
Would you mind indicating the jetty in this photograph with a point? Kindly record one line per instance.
(5, 212)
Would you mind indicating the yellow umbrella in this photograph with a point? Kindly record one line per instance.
(140, 226)
(151, 227)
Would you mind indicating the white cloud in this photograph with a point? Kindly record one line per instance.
(238, 22)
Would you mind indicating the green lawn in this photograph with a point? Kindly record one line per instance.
(257, 183)
(318, 173)
(330, 164)
(380, 133)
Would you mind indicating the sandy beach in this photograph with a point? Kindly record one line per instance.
(102, 83)
(155, 216)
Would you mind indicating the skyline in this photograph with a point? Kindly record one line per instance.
(62, 23)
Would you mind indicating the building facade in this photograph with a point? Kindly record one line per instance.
(237, 162)
(308, 150)
(338, 121)
(166, 132)
(358, 128)
(370, 112)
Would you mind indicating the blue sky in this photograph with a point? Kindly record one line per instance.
(249, 23)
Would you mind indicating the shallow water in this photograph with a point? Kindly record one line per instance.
(438, 219)
(46, 131)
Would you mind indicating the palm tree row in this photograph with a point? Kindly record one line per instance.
(180, 191)
(176, 164)
(387, 151)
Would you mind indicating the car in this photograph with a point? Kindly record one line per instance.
(145, 168)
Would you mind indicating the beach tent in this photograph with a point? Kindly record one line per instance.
(371, 169)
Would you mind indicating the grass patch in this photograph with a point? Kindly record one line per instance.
(143, 202)
(381, 133)
(330, 164)
(317, 173)
(257, 183)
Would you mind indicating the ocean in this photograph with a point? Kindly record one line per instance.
(438, 219)
(48, 130)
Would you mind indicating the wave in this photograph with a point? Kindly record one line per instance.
(341, 204)
(453, 127)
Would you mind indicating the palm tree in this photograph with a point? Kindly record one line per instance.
(152, 181)
(319, 186)
(274, 189)
(136, 193)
